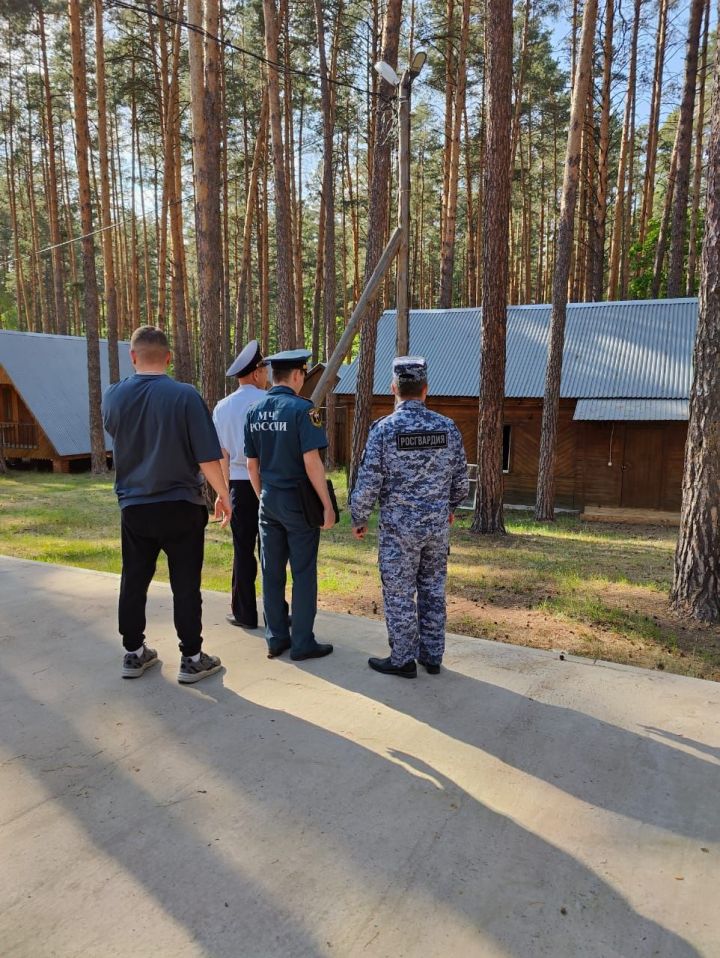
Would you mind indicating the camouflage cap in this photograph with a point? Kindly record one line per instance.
(410, 369)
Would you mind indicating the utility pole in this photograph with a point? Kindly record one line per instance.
(398, 244)
(402, 295)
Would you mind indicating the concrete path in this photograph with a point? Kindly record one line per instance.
(516, 806)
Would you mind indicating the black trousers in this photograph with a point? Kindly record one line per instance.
(244, 526)
(178, 529)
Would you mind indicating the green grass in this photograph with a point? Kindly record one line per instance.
(593, 589)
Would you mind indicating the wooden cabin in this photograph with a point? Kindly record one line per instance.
(624, 396)
(44, 408)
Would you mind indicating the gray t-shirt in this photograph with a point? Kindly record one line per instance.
(161, 430)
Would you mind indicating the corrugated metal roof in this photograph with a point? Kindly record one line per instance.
(50, 373)
(622, 349)
(633, 410)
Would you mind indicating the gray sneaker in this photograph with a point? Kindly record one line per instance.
(134, 665)
(194, 671)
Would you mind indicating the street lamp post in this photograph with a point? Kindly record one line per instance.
(402, 296)
(398, 244)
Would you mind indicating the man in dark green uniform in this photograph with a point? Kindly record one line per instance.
(283, 437)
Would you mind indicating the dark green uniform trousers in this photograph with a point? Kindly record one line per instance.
(286, 536)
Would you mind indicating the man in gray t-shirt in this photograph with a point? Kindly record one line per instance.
(164, 447)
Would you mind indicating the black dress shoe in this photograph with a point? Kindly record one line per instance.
(432, 668)
(241, 625)
(316, 653)
(406, 671)
(275, 651)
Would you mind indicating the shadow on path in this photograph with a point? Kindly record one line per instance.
(600, 763)
(344, 838)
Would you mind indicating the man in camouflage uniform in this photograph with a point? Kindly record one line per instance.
(414, 462)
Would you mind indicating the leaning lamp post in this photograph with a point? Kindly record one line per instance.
(404, 85)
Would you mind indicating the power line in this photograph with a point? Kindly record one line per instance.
(75, 239)
(148, 11)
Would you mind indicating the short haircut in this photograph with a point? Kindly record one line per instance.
(411, 389)
(282, 375)
(150, 341)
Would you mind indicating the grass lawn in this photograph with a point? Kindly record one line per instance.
(588, 589)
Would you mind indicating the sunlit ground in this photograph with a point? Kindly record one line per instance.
(585, 588)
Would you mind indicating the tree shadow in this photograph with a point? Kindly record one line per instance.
(385, 819)
(600, 763)
(712, 750)
(317, 843)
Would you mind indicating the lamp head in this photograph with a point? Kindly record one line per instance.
(418, 62)
(387, 73)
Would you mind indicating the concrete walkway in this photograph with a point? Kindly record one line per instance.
(516, 806)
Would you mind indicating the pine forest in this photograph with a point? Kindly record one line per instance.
(289, 96)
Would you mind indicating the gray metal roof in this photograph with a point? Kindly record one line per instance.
(634, 410)
(50, 373)
(634, 349)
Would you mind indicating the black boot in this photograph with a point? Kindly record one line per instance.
(432, 668)
(406, 671)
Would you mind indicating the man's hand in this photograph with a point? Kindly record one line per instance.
(223, 509)
(359, 531)
(328, 517)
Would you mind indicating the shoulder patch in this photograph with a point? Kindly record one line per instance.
(315, 419)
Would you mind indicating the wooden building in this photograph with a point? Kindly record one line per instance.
(44, 409)
(624, 395)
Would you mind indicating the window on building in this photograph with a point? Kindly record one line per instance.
(473, 470)
(6, 407)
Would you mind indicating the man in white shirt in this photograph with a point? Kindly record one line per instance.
(229, 417)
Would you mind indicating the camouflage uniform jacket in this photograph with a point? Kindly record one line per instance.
(414, 462)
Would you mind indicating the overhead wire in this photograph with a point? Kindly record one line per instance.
(309, 74)
(387, 102)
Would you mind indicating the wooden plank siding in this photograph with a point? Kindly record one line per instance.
(21, 414)
(632, 465)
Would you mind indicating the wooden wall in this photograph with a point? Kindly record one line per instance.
(646, 458)
(21, 414)
(636, 465)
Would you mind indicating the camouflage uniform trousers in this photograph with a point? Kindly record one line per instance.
(411, 564)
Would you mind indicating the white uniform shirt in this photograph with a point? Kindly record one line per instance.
(229, 418)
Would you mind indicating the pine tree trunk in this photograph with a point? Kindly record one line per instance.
(377, 225)
(678, 230)
(205, 78)
(663, 236)
(471, 230)
(654, 122)
(283, 224)
(698, 162)
(52, 198)
(111, 313)
(173, 160)
(545, 504)
(41, 310)
(696, 584)
(488, 517)
(74, 324)
(90, 290)
(250, 206)
(328, 188)
(619, 240)
(317, 287)
(447, 253)
(599, 218)
(449, 80)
